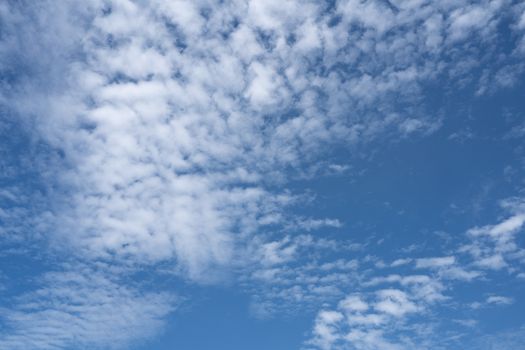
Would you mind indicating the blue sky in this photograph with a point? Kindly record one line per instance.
(312, 175)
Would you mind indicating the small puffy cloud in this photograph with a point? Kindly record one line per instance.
(459, 273)
(401, 262)
(365, 321)
(435, 263)
(277, 252)
(394, 302)
(466, 20)
(499, 300)
(493, 262)
(326, 329)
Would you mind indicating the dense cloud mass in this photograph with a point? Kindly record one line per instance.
(170, 133)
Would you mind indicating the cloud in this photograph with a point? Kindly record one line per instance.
(494, 247)
(435, 262)
(400, 262)
(394, 302)
(173, 130)
(362, 324)
(325, 329)
(162, 116)
(293, 275)
(499, 300)
(311, 224)
(501, 230)
(353, 303)
(396, 311)
(448, 267)
(82, 307)
(513, 339)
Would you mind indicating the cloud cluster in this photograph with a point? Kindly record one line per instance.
(494, 247)
(173, 128)
(295, 275)
(175, 121)
(397, 311)
(363, 323)
(81, 306)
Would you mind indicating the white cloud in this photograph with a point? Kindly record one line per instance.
(373, 339)
(435, 262)
(459, 273)
(167, 142)
(494, 262)
(401, 262)
(494, 247)
(365, 324)
(394, 302)
(465, 20)
(501, 230)
(353, 303)
(287, 284)
(175, 122)
(325, 329)
(82, 307)
(277, 252)
(311, 224)
(467, 322)
(499, 300)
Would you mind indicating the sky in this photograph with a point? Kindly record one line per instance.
(264, 175)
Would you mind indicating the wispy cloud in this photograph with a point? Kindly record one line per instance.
(173, 131)
(379, 316)
(83, 307)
